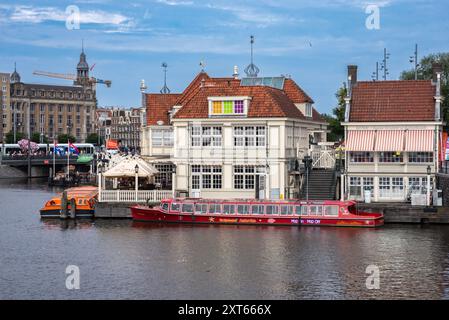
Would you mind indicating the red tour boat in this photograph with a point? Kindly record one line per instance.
(255, 212)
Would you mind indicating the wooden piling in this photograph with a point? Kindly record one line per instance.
(73, 208)
(64, 205)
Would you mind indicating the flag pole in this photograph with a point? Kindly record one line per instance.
(68, 159)
(54, 158)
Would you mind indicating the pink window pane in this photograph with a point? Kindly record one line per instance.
(238, 106)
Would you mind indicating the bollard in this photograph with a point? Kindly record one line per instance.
(64, 205)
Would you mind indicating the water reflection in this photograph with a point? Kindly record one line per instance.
(126, 259)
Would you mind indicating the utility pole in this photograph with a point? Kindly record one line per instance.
(414, 60)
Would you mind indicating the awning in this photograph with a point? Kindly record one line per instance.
(419, 140)
(390, 140)
(360, 140)
(84, 158)
(127, 168)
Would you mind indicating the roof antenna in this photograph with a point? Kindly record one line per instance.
(165, 89)
(252, 70)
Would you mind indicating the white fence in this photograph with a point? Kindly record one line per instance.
(133, 196)
(323, 159)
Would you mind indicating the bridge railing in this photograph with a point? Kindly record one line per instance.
(132, 196)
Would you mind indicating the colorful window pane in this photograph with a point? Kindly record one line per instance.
(227, 107)
(217, 107)
(238, 106)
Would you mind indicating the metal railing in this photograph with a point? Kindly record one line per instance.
(133, 196)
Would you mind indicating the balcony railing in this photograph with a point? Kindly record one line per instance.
(132, 196)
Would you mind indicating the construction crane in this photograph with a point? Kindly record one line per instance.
(72, 77)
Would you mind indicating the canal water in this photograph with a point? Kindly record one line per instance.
(120, 259)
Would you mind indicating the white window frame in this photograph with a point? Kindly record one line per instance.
(206, 136)
(244, 176)
(206, 177)
(245, 100)
(420, 157)
(390, 188)
(162, 137)
(250, 136)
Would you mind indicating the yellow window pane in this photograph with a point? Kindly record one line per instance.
(217, 107)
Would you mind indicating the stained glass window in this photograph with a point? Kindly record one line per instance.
(228, 107)
(238, 106)
(217, 107)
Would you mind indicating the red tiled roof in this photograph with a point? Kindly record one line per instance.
(295, 93)
(393, 101)
(192, 88)
(266, 102)
(158, 105)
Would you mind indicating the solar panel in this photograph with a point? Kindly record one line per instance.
(274, 82)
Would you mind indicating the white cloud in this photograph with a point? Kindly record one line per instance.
(175, 2)
(30, 14)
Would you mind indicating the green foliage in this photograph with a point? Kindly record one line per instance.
(338, 116)
(10, 137)
(63, 138)
(425, 72)
(36, 137)
(92, 138)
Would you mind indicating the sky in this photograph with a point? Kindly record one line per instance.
(312, 41)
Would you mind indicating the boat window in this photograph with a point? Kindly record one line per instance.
(214, 208)
(331, 211)
(201, 208)
(305, 210)
(298, 210)
(164, 206)
(228, 209)
(257, 209)
(187, 208)
(272, 209)
(242, 209)
(175, 207)
(316, 210)
(287, 210)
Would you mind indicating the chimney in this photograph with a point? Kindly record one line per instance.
(437, 68)
(236, 72)
(352, 75)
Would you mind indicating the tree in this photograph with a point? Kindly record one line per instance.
(92, 138)
(425, 72)
(10, 137)
(36, 137)
(63, 138)
(337, 117)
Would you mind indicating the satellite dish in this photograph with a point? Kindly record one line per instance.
(160, 123)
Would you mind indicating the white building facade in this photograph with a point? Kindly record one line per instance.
(393, 135)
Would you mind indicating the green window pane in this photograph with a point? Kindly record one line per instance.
(228, 107)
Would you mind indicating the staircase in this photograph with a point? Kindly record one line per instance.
(322, 185)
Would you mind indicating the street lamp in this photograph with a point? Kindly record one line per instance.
(136, 170)
(307, 165)
(429, 171)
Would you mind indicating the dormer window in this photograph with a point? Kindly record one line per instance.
(308, 110)
(228, 106)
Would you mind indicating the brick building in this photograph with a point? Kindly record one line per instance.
(52, 110)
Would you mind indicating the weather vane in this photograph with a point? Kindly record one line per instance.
(165, 89)
(202, 65)
(252, 70)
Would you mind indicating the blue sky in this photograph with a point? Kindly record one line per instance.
(311, 40)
